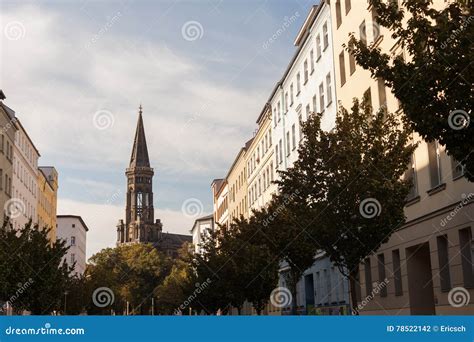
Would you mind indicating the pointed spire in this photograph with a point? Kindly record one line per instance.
(139, 152)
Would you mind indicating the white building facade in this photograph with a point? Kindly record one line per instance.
(306, 87)
(202, 226)
(73, 230)
(25, 178)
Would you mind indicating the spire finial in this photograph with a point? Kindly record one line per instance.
(140, 109)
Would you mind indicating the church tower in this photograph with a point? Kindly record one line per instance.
(139, 225)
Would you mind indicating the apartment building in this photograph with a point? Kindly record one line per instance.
(260, 163)
(8, 129)
(237, 183)
(308, 86)
(47, 198)
(25, 177)
(201, 227)
(432, 254)
(73, 230)
(220, 190)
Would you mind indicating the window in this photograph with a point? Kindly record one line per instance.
(352, 61)
(328, 89)
(300, 126)
(286, 102)
(363, 33)
(443, 259)
(367, 97)
(321, 98)
(73, 240)
(293, 138)
(73, 258)
(288, 143)
(311, 60)
(318, 47)
(2, 143)
(397, 272)
(382, 93)
(434, 163)
(280, 143)
(382, 275)
(298, 84)
(314, 104)
(375, 26)
(325, 36)
(342, 68)
(275, 116)
(305, 68)
(1, 179)
(348, 6)
(307, 110)
(338, 13)
(291, 94)
(457, 168)
(279, 111)
(368, 277)
(410, 175)
(467, 256)
(276, 154)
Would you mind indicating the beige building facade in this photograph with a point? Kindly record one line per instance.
(220, 192)
(237, 183)
(430, 257)
(47, 204)
(7, 141)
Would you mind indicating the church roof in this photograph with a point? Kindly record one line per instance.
(139, 151)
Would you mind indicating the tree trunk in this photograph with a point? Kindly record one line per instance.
(293, 299)
(353, 285)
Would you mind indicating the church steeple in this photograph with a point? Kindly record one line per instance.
(139, 151)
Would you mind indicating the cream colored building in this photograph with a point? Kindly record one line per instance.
(47, 198)
(433, 252)
(237, 183)
(260, 163)
(73, 230)
(220, 191)
(25, 178)
(7, 141)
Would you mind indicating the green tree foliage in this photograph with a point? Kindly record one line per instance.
(131, 272)
(434, 84)
(33, 275)
(349, 182)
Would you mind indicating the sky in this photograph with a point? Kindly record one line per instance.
(75, 73)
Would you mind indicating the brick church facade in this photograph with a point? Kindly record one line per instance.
(140, 225)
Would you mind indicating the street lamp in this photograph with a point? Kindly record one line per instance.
(65, 300)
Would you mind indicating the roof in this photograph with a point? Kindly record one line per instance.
(304, 33)
(17, 121)
(139, 155)
(200, 219)
(76, 217)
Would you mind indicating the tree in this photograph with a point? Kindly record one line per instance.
(348, 184)
(129, 274)
(434, 85)
(32, 269)
(286, 229)
(179, 285)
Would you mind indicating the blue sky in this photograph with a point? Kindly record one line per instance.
(75, 73)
